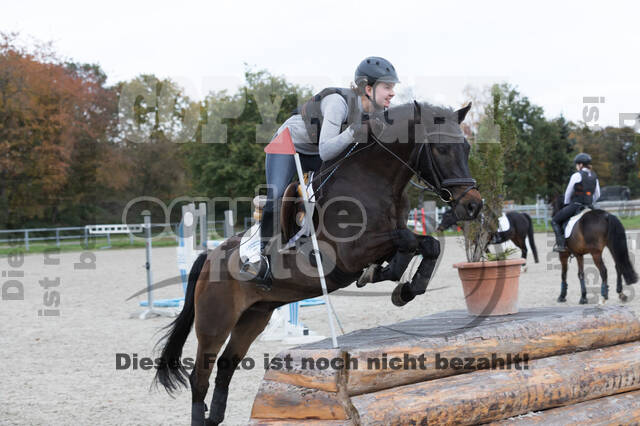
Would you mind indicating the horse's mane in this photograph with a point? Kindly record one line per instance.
(426, 107)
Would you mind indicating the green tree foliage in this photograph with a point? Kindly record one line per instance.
(615, 152)
(496, 138)
(227, 159)
(540, 159)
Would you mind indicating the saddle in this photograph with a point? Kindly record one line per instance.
(568, 227)
(293, 221)
(293, 225)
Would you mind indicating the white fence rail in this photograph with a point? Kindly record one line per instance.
(540, 212)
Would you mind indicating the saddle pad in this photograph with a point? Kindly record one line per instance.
(572, 222)
(250, 245)
(503, 223)
(250, 242)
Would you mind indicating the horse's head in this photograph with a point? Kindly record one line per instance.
(448, 220)
(557, 203)
(442, 158)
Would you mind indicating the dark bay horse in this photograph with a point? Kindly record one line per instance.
(520, 228)
(596, 230)
(361, 206)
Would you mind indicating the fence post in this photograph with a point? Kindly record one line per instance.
(228, 223)
(57, 237)
(26, 239)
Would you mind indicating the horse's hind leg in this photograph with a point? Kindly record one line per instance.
(604, 288)
(623, 297)
(249, 326)
(212, 329)
(583, 287)
(564, 257)
(405, 243)
(522, 245)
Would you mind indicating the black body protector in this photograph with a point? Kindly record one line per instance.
(312, 114)
(583, 191)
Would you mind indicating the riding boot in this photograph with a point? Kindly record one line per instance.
(560, 245)
(261, 270)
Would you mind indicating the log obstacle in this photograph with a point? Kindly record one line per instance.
(539, 366)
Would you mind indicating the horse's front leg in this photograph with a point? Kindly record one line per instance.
(583, 287)
(564, 260)
(406, 244)
(429, 247)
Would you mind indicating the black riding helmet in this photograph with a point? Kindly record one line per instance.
(583, 158)
(374, 69)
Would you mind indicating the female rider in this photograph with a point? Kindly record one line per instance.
(325, 125)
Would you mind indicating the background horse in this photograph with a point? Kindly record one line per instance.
(520, 227)
(362, 209)
(596, 230)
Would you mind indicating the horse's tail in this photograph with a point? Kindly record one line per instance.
(617, 243)
(170, 372)
(532, 242)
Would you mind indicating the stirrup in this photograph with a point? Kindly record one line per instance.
(261, 272)
(559, 248)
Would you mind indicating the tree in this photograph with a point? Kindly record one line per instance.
(496, 138)
(51, 112)
(227, 159)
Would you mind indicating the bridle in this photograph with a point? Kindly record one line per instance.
(440, 187)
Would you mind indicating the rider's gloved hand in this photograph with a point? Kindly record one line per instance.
(361, 130)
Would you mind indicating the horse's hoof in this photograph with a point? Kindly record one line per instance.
(524, 268)
(623, 297)
(602, 300)
(562, 299)
(583, 300)
(401, 295)
(197, 413)
(366, 277)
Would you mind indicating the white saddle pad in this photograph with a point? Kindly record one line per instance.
(250, 245)
(503, 223)
(572, 222)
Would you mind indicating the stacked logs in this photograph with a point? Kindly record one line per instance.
(568, 365)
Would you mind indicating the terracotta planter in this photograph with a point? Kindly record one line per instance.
(491, 288)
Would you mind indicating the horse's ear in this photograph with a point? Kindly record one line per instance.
(462, 113)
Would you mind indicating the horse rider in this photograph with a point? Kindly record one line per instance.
(321, 129)
(583, 190)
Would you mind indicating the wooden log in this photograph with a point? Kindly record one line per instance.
(620, 409)
(267, 422)
(485, 396)
(284, 401)
(536, 333)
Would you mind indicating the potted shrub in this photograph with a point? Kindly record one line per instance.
(490, 283)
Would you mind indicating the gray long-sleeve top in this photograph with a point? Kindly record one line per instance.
(331, 141)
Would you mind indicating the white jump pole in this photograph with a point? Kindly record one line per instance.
(316, 250)
(150, 312)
